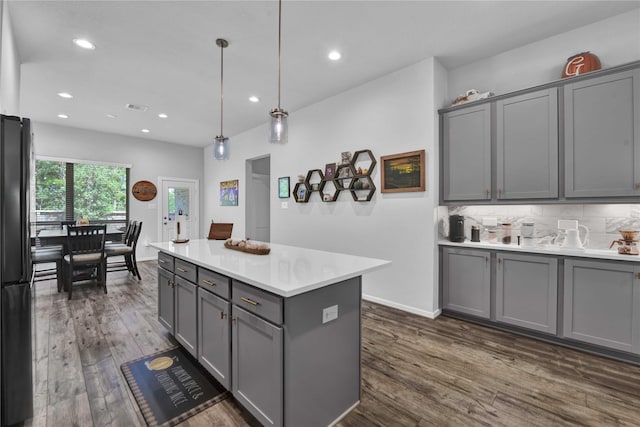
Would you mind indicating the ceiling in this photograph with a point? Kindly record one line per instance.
(163, 54)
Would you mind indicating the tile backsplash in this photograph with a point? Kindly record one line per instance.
(603, 221)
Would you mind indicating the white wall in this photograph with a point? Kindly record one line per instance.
(9, 66)
(615, 41)
(148, 159)
(393, 114)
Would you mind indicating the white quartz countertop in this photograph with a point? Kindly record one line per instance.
(285, 271)
(610, 254)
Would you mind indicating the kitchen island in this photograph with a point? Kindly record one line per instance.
(280, 331)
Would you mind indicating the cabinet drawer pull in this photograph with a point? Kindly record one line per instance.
(250, 301)
(161, 261)
(182, 270)
(208, 282)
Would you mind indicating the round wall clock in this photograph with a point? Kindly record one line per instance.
(144, 191)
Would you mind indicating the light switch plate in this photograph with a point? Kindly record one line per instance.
(329, 314)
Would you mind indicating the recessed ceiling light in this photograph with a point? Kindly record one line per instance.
(65, 95)
(162, 115)
(63, 116)
(334, 55)
(111, 116)
(145, 130)
(84, 43)
(254, 99)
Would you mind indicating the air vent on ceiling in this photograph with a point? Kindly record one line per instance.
(136, 107)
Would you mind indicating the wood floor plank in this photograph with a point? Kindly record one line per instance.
(415, 371)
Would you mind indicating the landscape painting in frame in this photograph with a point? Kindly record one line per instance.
(403, 172)
(229, 193)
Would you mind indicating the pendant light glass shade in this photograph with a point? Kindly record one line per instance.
(221, 143)
(279, 131)
(221, 148)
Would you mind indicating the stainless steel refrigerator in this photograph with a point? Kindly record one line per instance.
(16, 388)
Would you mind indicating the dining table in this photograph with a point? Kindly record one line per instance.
(52, 237)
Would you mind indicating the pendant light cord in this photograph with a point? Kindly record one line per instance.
(221, 86)
(279, 46)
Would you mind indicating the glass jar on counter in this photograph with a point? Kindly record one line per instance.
(506, 233)
(492, 235)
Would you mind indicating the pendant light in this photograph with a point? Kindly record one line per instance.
(278, 128)
(221, 145)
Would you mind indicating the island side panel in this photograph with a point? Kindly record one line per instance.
(322, 360)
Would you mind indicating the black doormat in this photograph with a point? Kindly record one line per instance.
(170, 387)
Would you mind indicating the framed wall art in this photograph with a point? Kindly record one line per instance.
(404, 172)
(229, 193)
(283, 187)
(329, 170)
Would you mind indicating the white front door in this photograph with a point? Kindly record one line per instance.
(179, 196)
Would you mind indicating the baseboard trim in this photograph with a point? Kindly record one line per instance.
(344, 414)
(409, 309)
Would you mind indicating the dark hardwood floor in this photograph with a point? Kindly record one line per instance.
(415, 371)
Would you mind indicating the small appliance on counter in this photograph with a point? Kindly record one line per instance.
(571, 235)
(475, 233)
(526, 231)
(628, 245)
(456, 228)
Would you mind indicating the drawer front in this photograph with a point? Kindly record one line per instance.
(214, 282)
(165, 261)
(254, 300)
(186, 269)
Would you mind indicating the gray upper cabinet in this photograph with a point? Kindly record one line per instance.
(214, 339)
(466, 169)
(602, 303)
(186, 320)
(467, 281)
(527, 146)
(526, 291)
(165, 298)
(602, 136)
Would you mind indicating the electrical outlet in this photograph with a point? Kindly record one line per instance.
(284, 205)
(329, 314)
(489, 221)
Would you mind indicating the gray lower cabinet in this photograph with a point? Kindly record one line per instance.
(467, 281)
(602, 303)
(602, 136)
(258, 366)
(214, 338)
(165, 299)
(526, 291)
(186, 320)
(527, 146)
(466, 154)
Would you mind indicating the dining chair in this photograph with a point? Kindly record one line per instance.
(45, 255)
(220, 231)
(126, 250)
(85, 249)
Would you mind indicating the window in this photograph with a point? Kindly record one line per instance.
(66, 191)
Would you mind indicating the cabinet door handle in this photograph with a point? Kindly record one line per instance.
(638, 276)
(233, 319)
(182, 270)
(250, 301)
(171, 283)
(223, 314)
(499, 192)
(637, 185)
(208, 282)
(486, 193)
